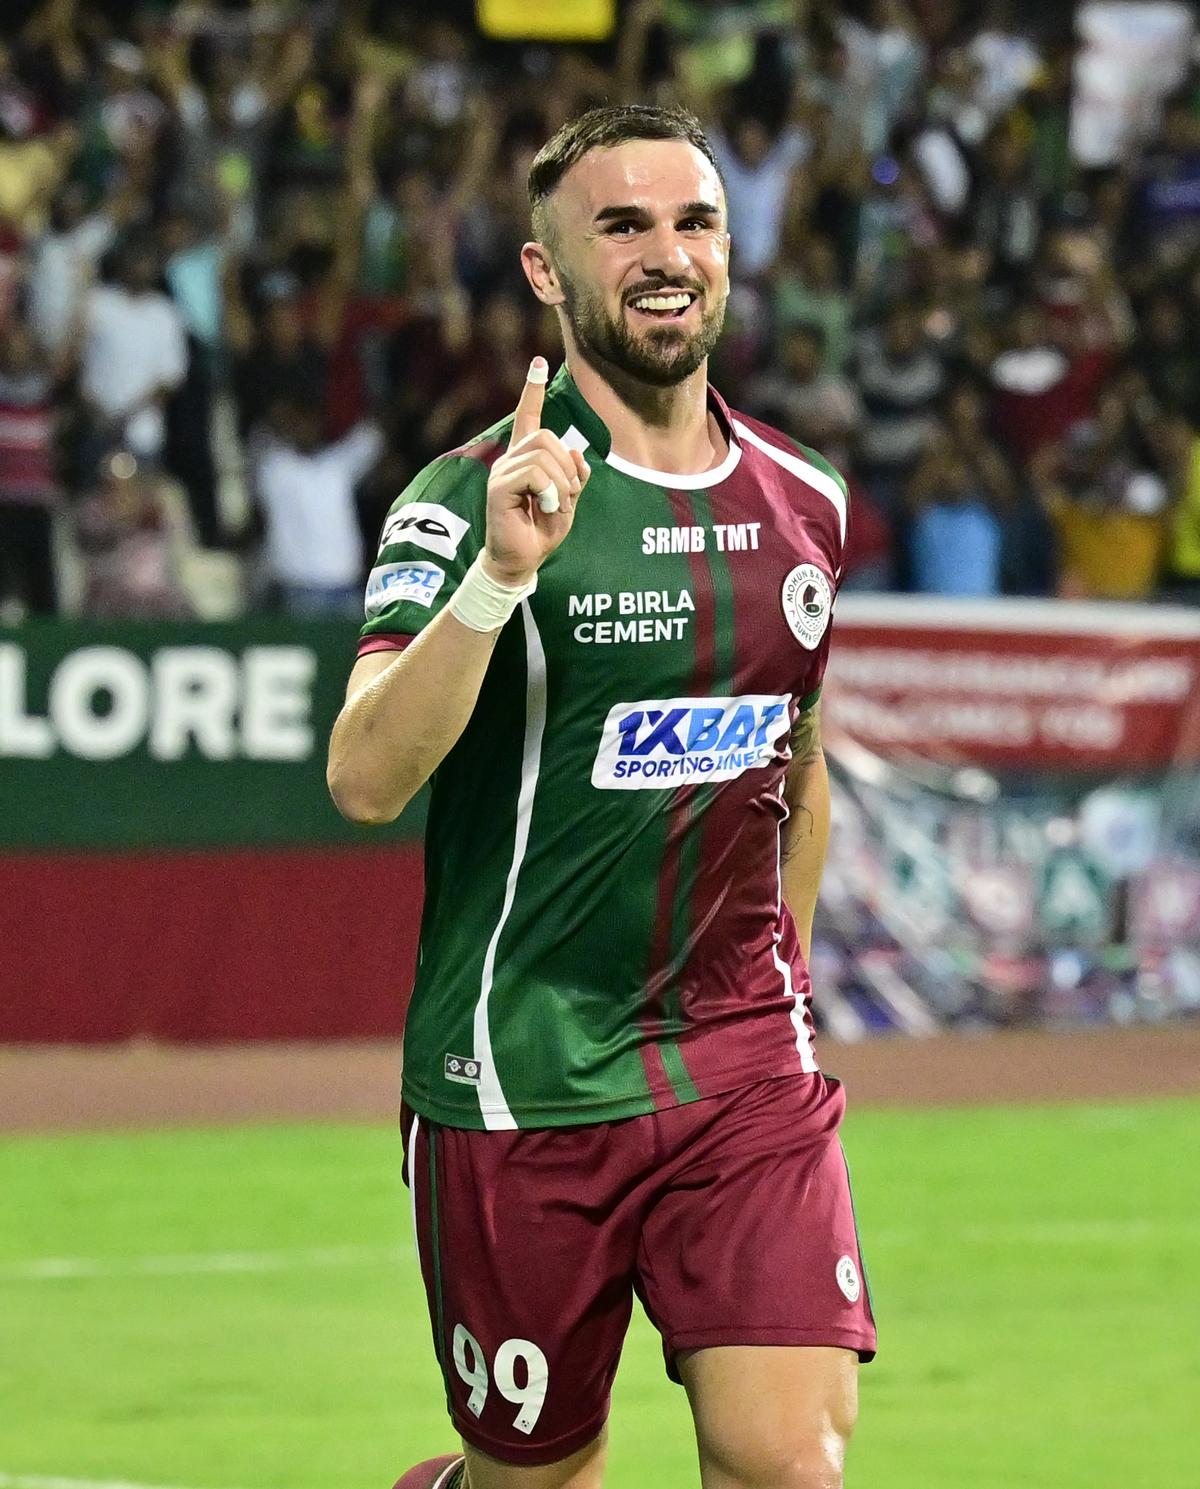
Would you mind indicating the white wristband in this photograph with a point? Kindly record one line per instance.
(483, 604)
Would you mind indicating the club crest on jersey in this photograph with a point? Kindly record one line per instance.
(661, 743)
(426, 524)
(807, 602)
(388, 583)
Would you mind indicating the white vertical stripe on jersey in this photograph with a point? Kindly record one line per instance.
(800, 467)
(412, 1183)
(804, 1048)
(492, 1103)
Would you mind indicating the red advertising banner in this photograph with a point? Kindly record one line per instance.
(1016, 815)
(1017, 684)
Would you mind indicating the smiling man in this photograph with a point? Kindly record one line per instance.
(610, 1085)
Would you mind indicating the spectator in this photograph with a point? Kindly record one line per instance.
(816, 407)
(1028, 541)
(273, 355)
(64, 261)
(901, 380)
(305, 491)
(130, 541)
(1169, 199)
(808, 291)
(1038, 390)
(1181, 560)
(955, 536)
(1006, 211)
(28, 484)
(1168, 354)
(1108, 506)
(1008, 59)
(760, 173)
(32, 168)
(134, 353)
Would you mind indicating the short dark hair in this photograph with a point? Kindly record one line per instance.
(602, 129)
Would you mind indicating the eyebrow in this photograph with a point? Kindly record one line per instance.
(690, 209)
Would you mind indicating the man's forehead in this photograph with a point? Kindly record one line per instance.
(642, 173)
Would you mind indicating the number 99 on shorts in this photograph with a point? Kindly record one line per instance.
(471, 1365)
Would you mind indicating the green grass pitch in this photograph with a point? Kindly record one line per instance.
(239, 1309)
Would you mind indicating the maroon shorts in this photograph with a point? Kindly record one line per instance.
(730, 1218)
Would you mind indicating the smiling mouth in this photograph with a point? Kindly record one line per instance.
(664, 305)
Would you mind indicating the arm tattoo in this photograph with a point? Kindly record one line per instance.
(803, 823)
(806, 747)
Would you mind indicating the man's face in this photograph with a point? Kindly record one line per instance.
(641, 255)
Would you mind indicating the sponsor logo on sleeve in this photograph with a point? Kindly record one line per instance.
(666, 742)
(807, 602)
(388, 584)
(428, 525)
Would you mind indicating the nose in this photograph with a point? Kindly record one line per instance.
(665, 252)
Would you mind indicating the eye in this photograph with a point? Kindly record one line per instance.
(622, 229)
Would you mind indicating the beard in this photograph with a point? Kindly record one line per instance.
(660, 355)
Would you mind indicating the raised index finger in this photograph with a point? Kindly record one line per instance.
(529, 405)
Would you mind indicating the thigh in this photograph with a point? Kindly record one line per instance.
(752, 1240)
(771, 1416)
(528, 1270)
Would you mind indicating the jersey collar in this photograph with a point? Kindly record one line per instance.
(586, 428)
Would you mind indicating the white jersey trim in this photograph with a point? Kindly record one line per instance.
(677, 482)
(412, 1184)
(804, 1044)
(493, 1105)
(802, 469)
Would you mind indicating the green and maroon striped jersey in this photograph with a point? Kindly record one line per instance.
(603, 932)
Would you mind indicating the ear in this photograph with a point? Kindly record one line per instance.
(535, 260)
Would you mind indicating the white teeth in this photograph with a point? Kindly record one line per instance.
(662, 302)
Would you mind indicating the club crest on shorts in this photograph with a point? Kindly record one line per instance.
(463, 1070)
(807, 601)
(847, 1278)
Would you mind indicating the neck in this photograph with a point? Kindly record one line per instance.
(667, 429)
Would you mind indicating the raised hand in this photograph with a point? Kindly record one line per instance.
(532, 490)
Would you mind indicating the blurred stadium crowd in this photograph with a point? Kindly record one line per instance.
(259, 263)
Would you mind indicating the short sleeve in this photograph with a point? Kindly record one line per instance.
(431, 536)
(835, 487)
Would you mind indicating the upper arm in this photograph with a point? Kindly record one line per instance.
(368, 668)
(806, 735)
(430, 538)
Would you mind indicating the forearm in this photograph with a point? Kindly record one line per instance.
(805, 842)
(395, 730)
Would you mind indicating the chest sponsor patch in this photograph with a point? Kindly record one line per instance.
(428, 525)
(389, 583)
(665, 742)
(807, 603)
